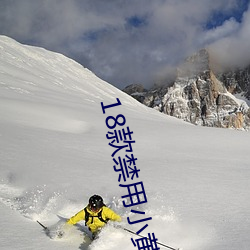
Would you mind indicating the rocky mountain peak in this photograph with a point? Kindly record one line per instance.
(196, 64)
(200, 96)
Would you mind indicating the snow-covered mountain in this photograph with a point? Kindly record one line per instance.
(201, 95)
(55, 154)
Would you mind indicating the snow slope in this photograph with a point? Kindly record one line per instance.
(54, 155)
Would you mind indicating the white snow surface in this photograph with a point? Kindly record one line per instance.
(55, 155)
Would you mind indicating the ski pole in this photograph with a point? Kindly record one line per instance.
(45, 228)
(148, 238)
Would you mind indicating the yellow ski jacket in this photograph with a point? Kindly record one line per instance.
(94, 223)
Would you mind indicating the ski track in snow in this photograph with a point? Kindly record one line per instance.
(40, 204)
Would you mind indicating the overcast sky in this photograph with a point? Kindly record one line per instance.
(131, 41)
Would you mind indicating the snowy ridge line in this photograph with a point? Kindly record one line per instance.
(40, 73)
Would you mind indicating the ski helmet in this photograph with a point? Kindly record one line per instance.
(95, 202)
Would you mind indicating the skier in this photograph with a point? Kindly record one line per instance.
(95, 214)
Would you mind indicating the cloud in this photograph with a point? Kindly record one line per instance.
(233, 49)
(123, 42)
(228, 28)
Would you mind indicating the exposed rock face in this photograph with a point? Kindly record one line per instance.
(199, 97)
(237, 81)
